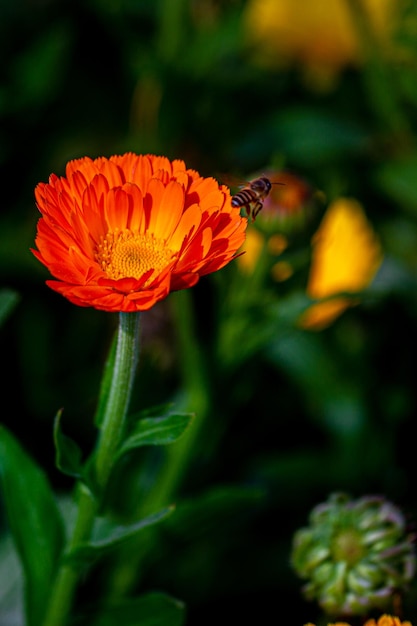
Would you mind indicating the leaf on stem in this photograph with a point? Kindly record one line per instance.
(107, 535)
(156, 431)
(34, 521)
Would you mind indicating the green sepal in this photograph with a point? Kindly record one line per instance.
(150, 609)
(34, 520)
(8, 300)
(67, 452)
(156, 431)
(106, 535)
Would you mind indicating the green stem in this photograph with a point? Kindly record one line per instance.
(177, 456)
(124, 371)
(114, 417)
(67, 577)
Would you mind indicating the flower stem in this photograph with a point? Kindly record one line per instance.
(177, 457)
(117, 405)
(111, 431)
(67, 577)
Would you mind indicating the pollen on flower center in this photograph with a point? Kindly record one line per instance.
(123, 254)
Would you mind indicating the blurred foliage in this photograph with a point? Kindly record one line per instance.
(289, 415)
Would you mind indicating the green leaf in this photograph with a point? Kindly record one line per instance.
(157, 431)
(34, 520)
(67, 452)
(150, 609)
(8, 300)
(107, 536)
(11, 581)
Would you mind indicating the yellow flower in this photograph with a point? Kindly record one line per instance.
(333, 624)
(252, 247)
(281, 271)
(319, 35)
(345, 258)
(255, 245)
(387, 620)
(384, 620)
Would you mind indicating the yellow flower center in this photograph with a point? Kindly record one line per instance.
(123, 254)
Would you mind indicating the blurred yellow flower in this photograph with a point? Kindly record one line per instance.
(252, 247)
(384, 620)
(277, 244)
(333, 624)
(345, 258)
(282, 271)
(256, 244)
(387, 620)
(319, 35)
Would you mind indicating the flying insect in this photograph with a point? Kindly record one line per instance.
(252, 195)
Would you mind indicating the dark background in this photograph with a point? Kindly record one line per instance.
(305, 414)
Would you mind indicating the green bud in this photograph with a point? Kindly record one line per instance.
(354, 555)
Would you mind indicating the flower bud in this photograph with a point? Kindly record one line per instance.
(355, 555)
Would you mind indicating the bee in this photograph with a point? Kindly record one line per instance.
(252, 195)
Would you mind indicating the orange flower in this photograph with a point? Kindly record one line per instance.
(120, 234)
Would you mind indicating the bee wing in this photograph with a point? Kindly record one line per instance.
(233, 181)
(273, 177)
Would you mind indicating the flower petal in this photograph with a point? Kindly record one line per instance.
(167, 207)
(346, 256)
